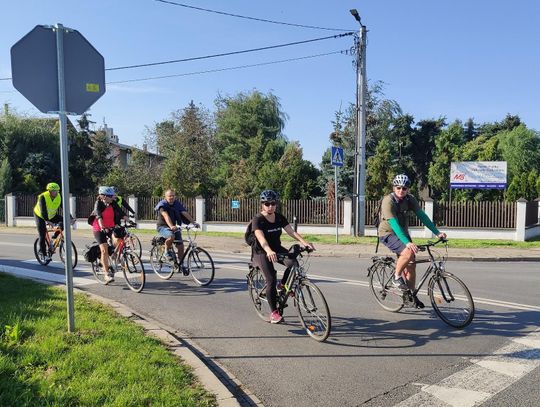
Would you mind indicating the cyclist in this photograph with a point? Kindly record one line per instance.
(394, 232)
(267, 226)
(122, 203)
(46, 214)
(107, 214)
(171, 213)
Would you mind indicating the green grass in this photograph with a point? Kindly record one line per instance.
(348, 240)
(107, 362)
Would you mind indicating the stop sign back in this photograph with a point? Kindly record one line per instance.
(34, 70)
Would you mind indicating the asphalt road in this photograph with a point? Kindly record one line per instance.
(372, 356)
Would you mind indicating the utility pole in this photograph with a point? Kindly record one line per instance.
(360, 140)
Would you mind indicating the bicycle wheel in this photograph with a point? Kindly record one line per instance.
(39, 256)
(451, 300)
(74, 255)
(97, 271)
(388, 297)
(161, 266)
(133, 270)
(201, 266)
(132, 243)
(257, 293)
(313, 310)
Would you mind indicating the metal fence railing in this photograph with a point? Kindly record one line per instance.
(308, 212)
(485, 214)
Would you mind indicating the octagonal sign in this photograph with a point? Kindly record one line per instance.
(34, 70)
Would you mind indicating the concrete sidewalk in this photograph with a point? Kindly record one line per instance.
(366, 251)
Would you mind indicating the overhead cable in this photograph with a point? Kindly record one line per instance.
(249, 18)
(229, 68)
(174, 61)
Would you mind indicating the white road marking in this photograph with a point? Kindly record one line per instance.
(485, 377)
(43, 275)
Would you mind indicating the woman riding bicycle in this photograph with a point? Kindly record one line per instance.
(267, 227)
(107, 214)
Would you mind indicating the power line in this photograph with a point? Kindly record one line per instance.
(229, 68)
(249, 18)
(230, 53)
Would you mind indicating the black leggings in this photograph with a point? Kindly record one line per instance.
(270, 275)
(42, 230)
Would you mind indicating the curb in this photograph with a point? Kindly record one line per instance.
(210, 374)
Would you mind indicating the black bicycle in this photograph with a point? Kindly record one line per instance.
(449, 296)
(310, 303)
(196, 261)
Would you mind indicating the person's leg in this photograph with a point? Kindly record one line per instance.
(57, 219)
(405, 256)
(179, 246)
(169, 238)
(269, 273)
(42, 231)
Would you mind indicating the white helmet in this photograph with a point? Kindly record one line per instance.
(401, 180)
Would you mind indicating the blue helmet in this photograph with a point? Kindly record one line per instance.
(268, 195)
(104, 190)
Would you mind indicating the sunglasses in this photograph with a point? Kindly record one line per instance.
(269, 203)
(108, 196)
(402, 188)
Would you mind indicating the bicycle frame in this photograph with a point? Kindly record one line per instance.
(57, 240)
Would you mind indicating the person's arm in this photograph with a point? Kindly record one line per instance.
(43, 209)
(426, 221)
(189, 218)
(167, 219)
(128, 208)
(98, 210)
(272, 256)
(398, 230)
(295, 235)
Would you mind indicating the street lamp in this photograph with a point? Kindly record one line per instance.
(360, 141)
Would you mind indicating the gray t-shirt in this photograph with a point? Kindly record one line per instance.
(391, 207)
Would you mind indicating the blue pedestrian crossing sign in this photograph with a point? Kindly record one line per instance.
(337, 156)
(235, 204)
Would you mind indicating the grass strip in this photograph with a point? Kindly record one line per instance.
(108, 361)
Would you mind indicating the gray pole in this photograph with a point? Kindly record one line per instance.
(65, 174)
(361, 120)
(336, 201)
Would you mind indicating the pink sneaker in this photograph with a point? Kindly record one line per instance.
(275, 317)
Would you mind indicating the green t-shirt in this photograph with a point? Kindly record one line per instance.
(392, 208)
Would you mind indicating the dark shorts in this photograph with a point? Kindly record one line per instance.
(101, 237)
(393, 243)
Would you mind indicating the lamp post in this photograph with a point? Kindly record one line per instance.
(360, 141)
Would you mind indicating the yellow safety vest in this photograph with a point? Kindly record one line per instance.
(119, 200)
(51, 204)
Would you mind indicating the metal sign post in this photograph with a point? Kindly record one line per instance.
(59, 72)
(337, 161)
(65, 174)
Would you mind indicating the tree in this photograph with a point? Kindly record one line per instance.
(380, 171)
(102, 161)
(446, 150)
(6, 178)
(248, 132)
(81, 159)
(187, 140)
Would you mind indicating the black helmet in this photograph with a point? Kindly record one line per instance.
(401, 180)
(268, 195)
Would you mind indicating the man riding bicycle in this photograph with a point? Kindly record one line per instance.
(394, 232)
(46, 214)
(171, 215)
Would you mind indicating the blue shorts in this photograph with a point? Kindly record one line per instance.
(393, 243)
(167, 233)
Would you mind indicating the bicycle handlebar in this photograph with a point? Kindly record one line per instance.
(424, 247)
(294, 252)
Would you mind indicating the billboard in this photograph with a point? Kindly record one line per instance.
(478, 174)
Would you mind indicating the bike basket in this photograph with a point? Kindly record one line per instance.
(158, 240)
(92, 253)
(119, 232)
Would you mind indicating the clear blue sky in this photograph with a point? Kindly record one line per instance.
(458, 58)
